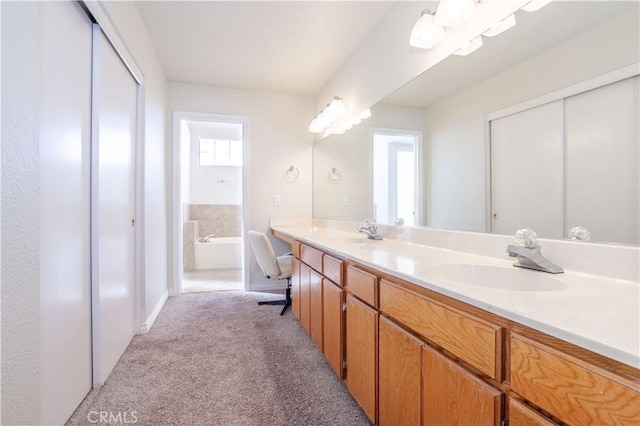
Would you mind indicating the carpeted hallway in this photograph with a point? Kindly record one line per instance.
(220, 359)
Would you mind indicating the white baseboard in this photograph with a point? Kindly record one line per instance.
(145, 327)
(268, 286)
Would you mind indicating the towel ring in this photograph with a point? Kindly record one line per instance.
(334, 175)
(291, 175)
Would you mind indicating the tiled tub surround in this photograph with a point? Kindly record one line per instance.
(599, 309)
(222, 220)
(201, 220)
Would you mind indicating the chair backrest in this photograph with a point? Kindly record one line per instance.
(265, 256)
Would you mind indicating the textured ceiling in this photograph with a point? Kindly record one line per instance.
(279, 46)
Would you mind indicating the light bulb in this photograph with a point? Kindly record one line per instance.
(454, 13)
(426, 33)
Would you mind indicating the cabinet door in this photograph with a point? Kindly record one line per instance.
(315, 307)
(333, 321)
(453, 396)
(295, 287)
(305, 272)
(362, 344)
(521, 415)
(399, 371)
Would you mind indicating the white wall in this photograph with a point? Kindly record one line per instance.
(352, 153)
(455, 139)
(129, 23)
(276, 138)
(21, 198)
(378, 67)
(20, 296)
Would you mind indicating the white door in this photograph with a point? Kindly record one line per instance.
(65, 276)
(395, 177)
(527, 158)
(602, 162)
(114, 267)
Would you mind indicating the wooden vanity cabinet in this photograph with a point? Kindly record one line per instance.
(362, 339)
(295, 287)
(399, 375)
(318, 298)
(414, 356)
(362, 350)
(521, 415)
(574, 391)
(333, 298)
(453, 396)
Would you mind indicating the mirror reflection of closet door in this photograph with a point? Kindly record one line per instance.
(602, 162)
(527, 158)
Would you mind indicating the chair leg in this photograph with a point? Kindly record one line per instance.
(286, 302)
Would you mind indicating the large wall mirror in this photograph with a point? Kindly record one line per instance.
(538, 129)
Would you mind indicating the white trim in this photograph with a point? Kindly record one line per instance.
(140, 202)
(574, 89)
(175, 286)
(145, 326)
(419, 165)
(102, 18)
(267, 286)
(95, 193)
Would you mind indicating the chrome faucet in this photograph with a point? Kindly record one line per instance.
(370, 229)
(529, 253)
(206, 239)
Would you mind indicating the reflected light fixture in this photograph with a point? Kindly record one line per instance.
(329, 115)
(470, 47)
(426, 33)
(535, 5)
(501, 26)
(454, 13)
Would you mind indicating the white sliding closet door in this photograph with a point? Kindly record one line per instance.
(115, 107)
(527, 161)
(602, 162)
(65, 276)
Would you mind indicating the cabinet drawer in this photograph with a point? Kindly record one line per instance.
(295, 249)
(363, 285)
(570, 389)
(471, 339)
(311, 257)
(333, 269)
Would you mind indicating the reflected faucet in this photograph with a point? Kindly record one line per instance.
(529, 253)
(370, 229)
(206, 239)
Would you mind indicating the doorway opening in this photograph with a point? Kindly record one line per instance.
(396, 176)
(211, 201)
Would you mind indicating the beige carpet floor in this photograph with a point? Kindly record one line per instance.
(220, 359)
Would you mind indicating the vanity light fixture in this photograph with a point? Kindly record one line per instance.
(502, 26)
(365, 114)
(535, 5)
(470, 47)
(329, 115)
(426, 33)
(454, 13)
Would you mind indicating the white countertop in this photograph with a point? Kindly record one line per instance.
(596, 313)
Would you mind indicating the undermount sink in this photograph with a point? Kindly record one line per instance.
(496, 277)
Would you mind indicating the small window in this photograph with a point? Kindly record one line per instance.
(220, 152)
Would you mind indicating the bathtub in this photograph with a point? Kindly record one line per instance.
(218, 253)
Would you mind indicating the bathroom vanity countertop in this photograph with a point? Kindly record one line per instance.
(594, 312)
